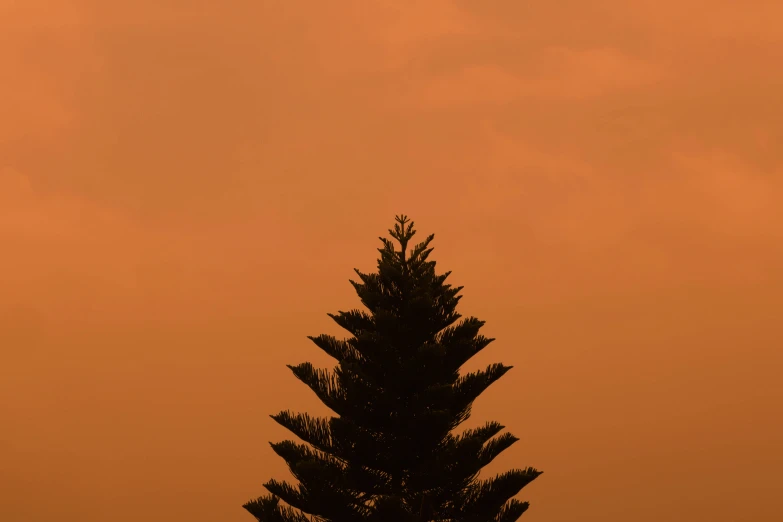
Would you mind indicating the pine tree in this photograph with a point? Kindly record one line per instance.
(389, 454)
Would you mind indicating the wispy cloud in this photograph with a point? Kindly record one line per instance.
(553, 74)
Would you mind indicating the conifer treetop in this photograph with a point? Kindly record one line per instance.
(389, 454)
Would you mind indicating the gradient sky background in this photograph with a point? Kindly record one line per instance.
(186, 186)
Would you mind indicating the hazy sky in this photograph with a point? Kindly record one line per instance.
(186, 186)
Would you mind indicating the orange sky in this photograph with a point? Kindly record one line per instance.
(186, 186)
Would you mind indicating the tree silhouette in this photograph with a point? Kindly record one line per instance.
(389, 454)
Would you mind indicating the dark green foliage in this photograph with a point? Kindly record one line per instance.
(389, 454)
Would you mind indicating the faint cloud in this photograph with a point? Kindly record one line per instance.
(759, 22)
(593, 72)
(79, 262)
(385, 36)
(67, 219)
(15, 187)
(29, 103)
(736, 198)
(556, 74)
(702, 22)
(404, 27)
(45, 56)
(469, 85)
(22, 15)
(63, 252)
(560, 198)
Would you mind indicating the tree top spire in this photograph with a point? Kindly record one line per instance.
(402, 233)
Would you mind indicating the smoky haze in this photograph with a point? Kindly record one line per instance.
(185, 188)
